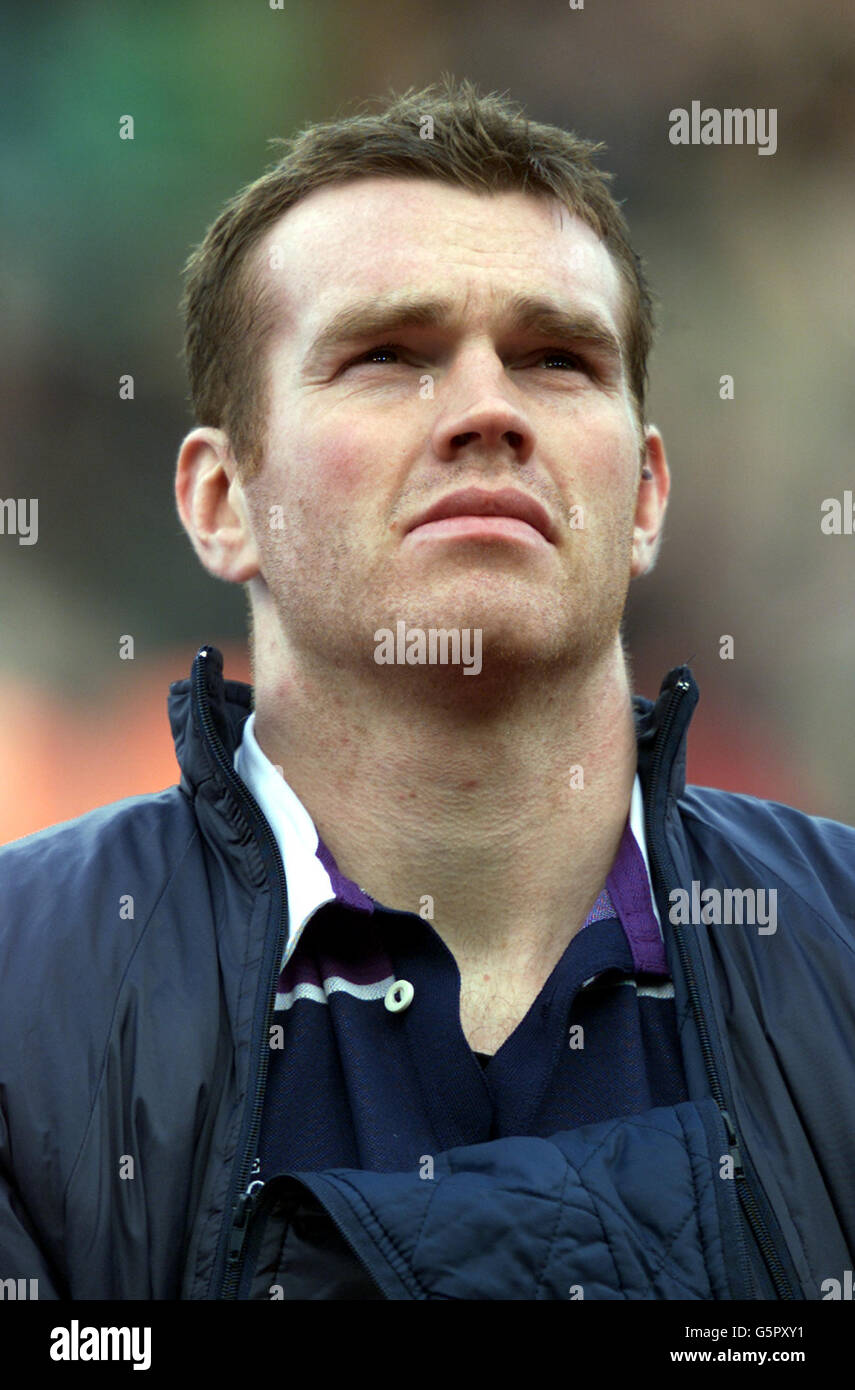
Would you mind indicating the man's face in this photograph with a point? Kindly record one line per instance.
(478, 393)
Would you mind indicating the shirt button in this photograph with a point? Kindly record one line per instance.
(399, 996)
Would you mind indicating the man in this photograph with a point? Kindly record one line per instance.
(436, 980)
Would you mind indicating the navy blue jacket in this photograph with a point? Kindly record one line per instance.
(133, 1055)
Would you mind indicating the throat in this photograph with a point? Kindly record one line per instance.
(492, 1007)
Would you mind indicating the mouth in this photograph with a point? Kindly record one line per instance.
(506, 513)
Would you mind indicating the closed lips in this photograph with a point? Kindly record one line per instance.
(476, 502)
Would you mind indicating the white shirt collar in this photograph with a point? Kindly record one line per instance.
(636, 825)
(309, 884)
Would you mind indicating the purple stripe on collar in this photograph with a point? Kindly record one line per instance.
(346, 891)
(629, 888)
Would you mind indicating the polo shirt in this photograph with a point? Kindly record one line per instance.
(369, 1066)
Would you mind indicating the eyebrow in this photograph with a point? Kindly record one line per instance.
(529, 313)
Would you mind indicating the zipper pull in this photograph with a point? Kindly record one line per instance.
(733, 1145)
(244, 1207)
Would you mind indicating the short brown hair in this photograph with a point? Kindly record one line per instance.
(482, 143)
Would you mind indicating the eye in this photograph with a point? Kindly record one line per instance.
(571, 359)
(387, 349)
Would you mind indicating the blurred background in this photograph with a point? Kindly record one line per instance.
(751, 258)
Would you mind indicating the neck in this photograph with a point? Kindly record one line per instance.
(497, 817)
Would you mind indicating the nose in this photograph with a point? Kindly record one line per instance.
(482, 413)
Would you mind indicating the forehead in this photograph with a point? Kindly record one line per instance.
(374, 236)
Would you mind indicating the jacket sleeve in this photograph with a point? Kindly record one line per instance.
(21, 1257)
(31, 959)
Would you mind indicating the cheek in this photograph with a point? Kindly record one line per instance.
(602, 459)
(605, 473)
(340, 467)
(353, 471)
(334, 456)
(317, 485)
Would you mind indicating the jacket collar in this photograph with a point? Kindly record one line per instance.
(227, 703)
(661, 729)
(207, 698)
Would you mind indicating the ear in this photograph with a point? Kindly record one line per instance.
(651, 504)
(212, 506)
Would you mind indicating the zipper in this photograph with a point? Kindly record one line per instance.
(740, 1179)
(244, 1208)
(753, 1215)
(240, 1248)
(242, 1200)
